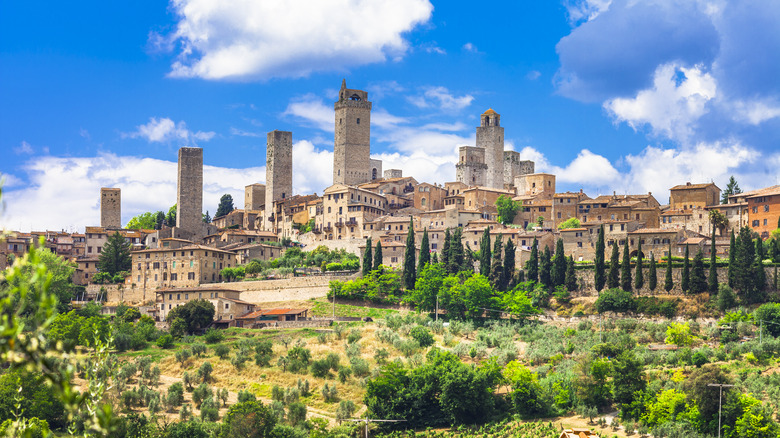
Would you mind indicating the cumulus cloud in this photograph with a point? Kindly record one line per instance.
(165, 130)
(312, 109)
(441, 98)
(587, 170)
(250, 39)
(312, 168)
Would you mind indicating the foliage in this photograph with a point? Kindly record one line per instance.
(165, 341)
(527, 396)
(378, 255)
(615, 300)
(770, 314)
(247, 419)
(196, 314)
(115, 256)
(428, 285)
(670, 405)
(507, 209)
(679, 334)
(558, 271)
(425, 251)
(368, 261)
(409, 271)
(732, 188)
(613, 278)
(143, 221)
(225, 205)
(599, 264)
(485, 253)
(532, 265)
(625, 268)
(652, 275)
(569, 223)
(380, 286)
(422, 336)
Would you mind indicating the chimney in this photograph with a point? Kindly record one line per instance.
(688, 183)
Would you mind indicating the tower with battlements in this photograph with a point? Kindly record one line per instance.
(189, 190)
(490, 136)
(352, 144)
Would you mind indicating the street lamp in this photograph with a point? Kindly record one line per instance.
(720, 399)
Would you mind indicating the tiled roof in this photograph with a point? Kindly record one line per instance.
(690, 186)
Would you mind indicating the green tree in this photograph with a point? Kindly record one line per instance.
(35, 398)
(668, 283)
(159, 220)
(445, 251)
(758, 267)
(248, 419)
(428, 285)
(425, 251)
(593, 387)
(639, 279)
(769, 313)
(685, 281)
(60, 272)
(368, 261)
(744, 264)
(532, 265)
(225, 205)
(485, 253)
(496, 266)
(197, 314)
(527, 396)
(732, 188)
(409, 258)
(170, 218)
(509, 264)
(115, 256)
(143, 221)
(599, 264)
(712, 279)
(679, 334)
(507, 209)
(569, 223)
(455, 259)
(378, 255)
(625, 268)
(558, 274)
(545, 268)
(207, 218)
(698, 280)
(628, 379)
(613, 278)
(732, 259)
(571, 277)
(652, 275)
(719, 221)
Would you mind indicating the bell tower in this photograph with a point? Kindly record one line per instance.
(352, 142)
(490, 135)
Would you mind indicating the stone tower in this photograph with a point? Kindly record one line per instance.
(490, 135)
(254, 197)
(189, 193)
(471, 168)
(278, 169)
(352, 145)
(110, 208)
(514, 166)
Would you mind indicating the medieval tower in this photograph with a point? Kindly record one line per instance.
(189, 193)
(110, 208)
(352, 145)
(278, 170)
(490, 136)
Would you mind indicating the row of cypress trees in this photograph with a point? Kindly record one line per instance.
(551, 269)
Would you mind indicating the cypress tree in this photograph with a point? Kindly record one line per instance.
(367, 258)
(652, 276)
(445, 251)
(760, 274)
(468, 259)
(425, 251)
(545, 268)
(732, 259)
(410, 276)
(435, 258)
(532, 266)
(698, 280)
(639, 278)
(685, 282)
(509, 265)
(600, 267)
(668, 283)
(613, 279)
(378, 255)
(625, 268)
(712, 279)
(496, 267)
(484, 253)
(744, 261)
(776, 280)
(571, 277)
(456, 251)
(559, 265)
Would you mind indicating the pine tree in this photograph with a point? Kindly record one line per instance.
(600, 266)
(496, 267)
(378, 255)
(652, 276)
(685, 281)
(613, 279)
(712, 279)
(115, 256)
(571, 277)
(625, 268)
(532, 265)
(558, 265)
(445, 250)
(484, 253)
(368, 262)
(732, 259)
(456, 251)
(776, 279)
(639, 278)
(698, 280)
(545, 267)
(410, 276)
(425, 251)
(732, 188)
(225, 205)
(509, 265)
(159, 220)
(668, 283)
(207, 218)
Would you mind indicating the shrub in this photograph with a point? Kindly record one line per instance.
(699, 359)
(213, 336)
(321, 368)
(175, 395)
(222, 351)
(165, 341)
(615, 300)
(198, 349)
(204, 372)
(422, 336)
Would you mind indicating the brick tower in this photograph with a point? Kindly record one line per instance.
(490, 135)
(189, 190)
(278, 169)
(110, 208)
(352, 145)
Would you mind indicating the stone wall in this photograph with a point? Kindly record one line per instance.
(288, 289)
(118, 293)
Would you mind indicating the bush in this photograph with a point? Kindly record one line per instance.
(422, 336)
(615, 300)
(165, 341)
(770, 313)
(321, 368)
(222, 351)
(699, 359)
(213, 336)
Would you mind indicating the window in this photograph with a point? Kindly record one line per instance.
(174, 277)
(579, 244)
(156, 265)
(764, 223)
(755, 223)
(358, 120)
(178, 296)
(766, 209)
(755, 209)
(186, 296)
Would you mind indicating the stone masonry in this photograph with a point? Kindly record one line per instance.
(514, 166)
(471, 168)
(110, 208)
(278, 170)
(189, 193)
(376, 169)
(352, 145)
(393, 173)
(490, 136)
(254, 197)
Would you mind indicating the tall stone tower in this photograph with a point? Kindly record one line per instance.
(189, 190)
(278, 169)
(254, 197)
(514, 166)
(490, 135)
(352, 146)
(471, 168)
(110, 208)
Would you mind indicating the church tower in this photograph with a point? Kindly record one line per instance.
(352, 146)
(490, 135)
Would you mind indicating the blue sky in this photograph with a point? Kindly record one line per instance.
(609, 95)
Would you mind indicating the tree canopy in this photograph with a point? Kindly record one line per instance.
(507, 209)
(569, 223)
(196, 315)
(115, 256)
(225, 205)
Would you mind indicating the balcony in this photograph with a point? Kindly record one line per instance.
(327, 229)
(352, 222)
(339, 224)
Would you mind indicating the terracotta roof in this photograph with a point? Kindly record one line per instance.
(270, 312)
(690, 186)
(490, 111)
(195, 289)
(183, 248)
(769, 191)
(653, 231)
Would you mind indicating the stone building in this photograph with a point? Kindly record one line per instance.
(227, 303)
(764, 210)
(490, 137)
(188, 266)
(254, 195)
(189, 191)
(429, 197)
(471, 169)
(535, 184)
(393, 173)
(347, 208)
(234, 219)
(642, 208)
(110, 208)
(564, 206)
(278, 171)
(691, 196)
(352, 140)
(514, 166)
(376, 169)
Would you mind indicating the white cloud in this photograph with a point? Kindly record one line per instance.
(440, 97)
(421, 165)
(382, 119)
(85, 134)
(585, 10)
(24, 148)
(469, 47)
(586, 170)
(261, 39)
(312, 168)
(756, 112)
(242, 133)
(676, 101)
(164, 130)
(314, 110)
(533, 75)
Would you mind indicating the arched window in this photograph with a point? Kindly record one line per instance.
(373, 173)
(422, 202)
